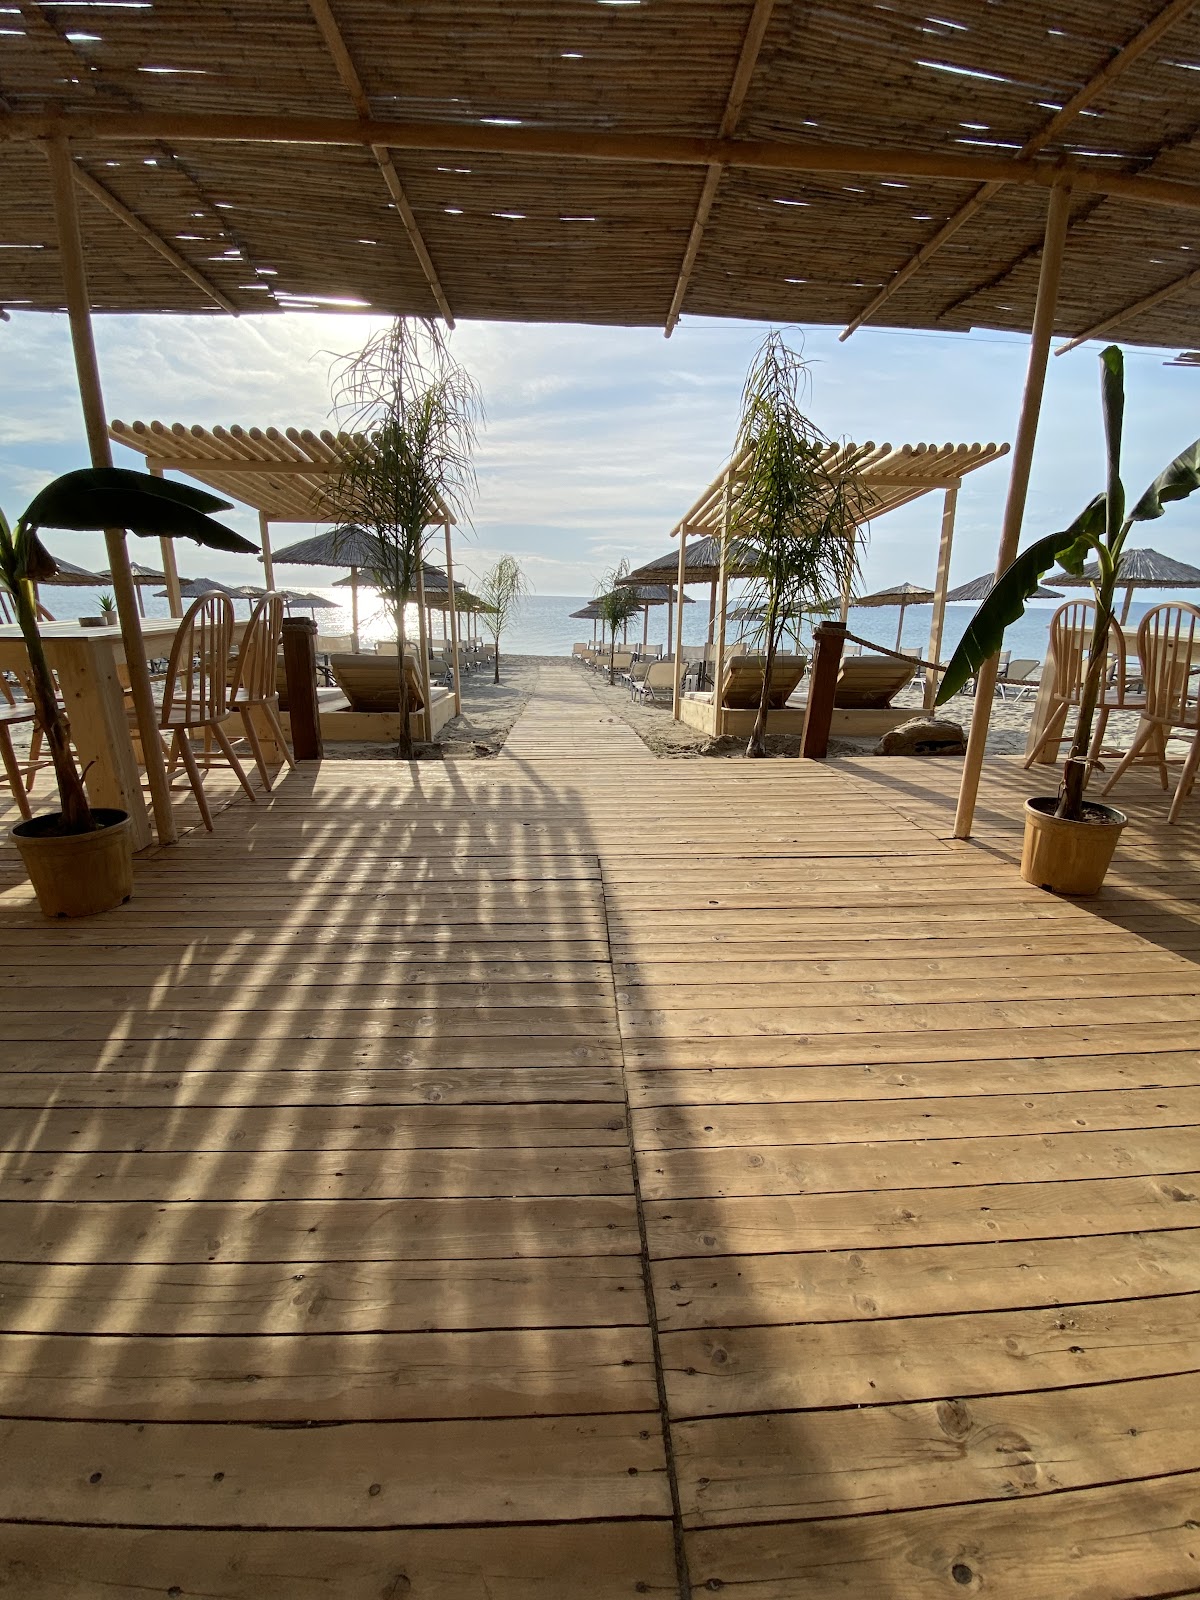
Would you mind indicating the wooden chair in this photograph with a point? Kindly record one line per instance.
(1169, 649)
(15, 715)
(196, 694)
(871, 682)
(1071, 629)
(252, 690)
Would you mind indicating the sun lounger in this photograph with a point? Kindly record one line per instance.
(371, 683)
(742, 682)
(658, 684)
(871, 682)
(1022, 678)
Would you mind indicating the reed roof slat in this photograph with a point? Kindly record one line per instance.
(557, 237)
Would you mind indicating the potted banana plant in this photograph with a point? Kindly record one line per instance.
(1069, 843)
(80, 858)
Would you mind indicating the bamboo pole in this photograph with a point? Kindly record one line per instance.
(677, 692)
(424, 641)
(670, 613)
(457, 673)
(712, 611)
(1057, 216)
(170, 569)
(682, 150)
(354, 609)
(940, 586)
(264, 534)
(645, 626)
(722, 608)
(70, 245)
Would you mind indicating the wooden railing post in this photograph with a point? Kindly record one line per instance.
(300, 670)
(829, 638)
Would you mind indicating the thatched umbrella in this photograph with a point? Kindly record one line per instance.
(1139, 568)
(702, 564)
(197, 588)
(979, 589)
(303, 600)
(902, 595)
(69, 576)
(345, 546)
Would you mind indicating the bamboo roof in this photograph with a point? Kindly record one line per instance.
(284, 473)
(612, 163)
(890, 475)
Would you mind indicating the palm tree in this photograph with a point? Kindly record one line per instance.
(503, 588)
(798, 511)
(418, 412)
(617, 604)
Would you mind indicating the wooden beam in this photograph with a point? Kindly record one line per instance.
(1095, 86)
(457, 665)
(79, 314)
(109, 201)
(756, 30)
(308, 469)
(677, 688)
(353, 84)
(722, 607)
(166, 549)
(264, 534)
(940, 586)
(1127, 313)
(632, 149)
(1018, 487)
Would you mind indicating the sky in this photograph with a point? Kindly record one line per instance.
(598, 439)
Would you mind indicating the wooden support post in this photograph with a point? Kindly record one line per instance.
(423, 669)
(645, 626)
(300, 669)
(354, 609)
(70, 245)
(264, 534)
(170, 569)
(677, 695)
(457, 672)
(829, 639)
(722, 607)
(1057, 216)
(848, 580)
(670, 613)
(940, 586)
(712, 610)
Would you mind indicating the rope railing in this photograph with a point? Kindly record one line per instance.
(900, 655)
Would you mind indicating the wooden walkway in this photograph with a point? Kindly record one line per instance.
(577, 1176)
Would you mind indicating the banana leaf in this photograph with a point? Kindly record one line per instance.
(111, 497)
(985, 631)
(70, 494)
(1175, 482)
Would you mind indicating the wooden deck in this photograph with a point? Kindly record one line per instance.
(576, 1176)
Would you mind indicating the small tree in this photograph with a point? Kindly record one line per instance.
(798, 511)
(417, 412)
(617, 604)
(502, 589)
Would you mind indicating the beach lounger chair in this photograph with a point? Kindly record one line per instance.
(1022, 678)
(742, 682)
(871, 683)
(371, 683)
(658, 684)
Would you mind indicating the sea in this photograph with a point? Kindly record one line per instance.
(544, 626)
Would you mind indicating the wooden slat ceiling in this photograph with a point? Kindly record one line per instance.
(551, 237)
(891, 476)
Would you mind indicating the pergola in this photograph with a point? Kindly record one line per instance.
(891, 476)
(611, 163)
(285, 474)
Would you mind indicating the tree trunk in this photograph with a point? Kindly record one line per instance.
(757, 746)
(496, 662)
(1075, 771)
(612, 660)
(404, 744)
(77, 817)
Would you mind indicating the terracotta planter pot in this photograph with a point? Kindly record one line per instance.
(80, 874)
(1069, 857)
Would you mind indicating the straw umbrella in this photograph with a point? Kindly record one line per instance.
(702, 564)
(69, 576)
(197, 588)
(345, 546)
(1140, 568)
(979, 589)
(900, 594)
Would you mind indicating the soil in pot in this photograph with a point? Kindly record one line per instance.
(1069, 857)
(77, 874)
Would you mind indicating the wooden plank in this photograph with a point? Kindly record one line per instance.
(319, 1230)
(1106, 1543)
(290, 1297)
(424, 1127)
(621, 1558)
(969, 1116)
(428, 1473)
(911, 1166)
(317, 1174)
(713, 1371)
(750, 1225)
(893, 1458)
(565, 1022)
(923, 1280)
(373, 1377)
